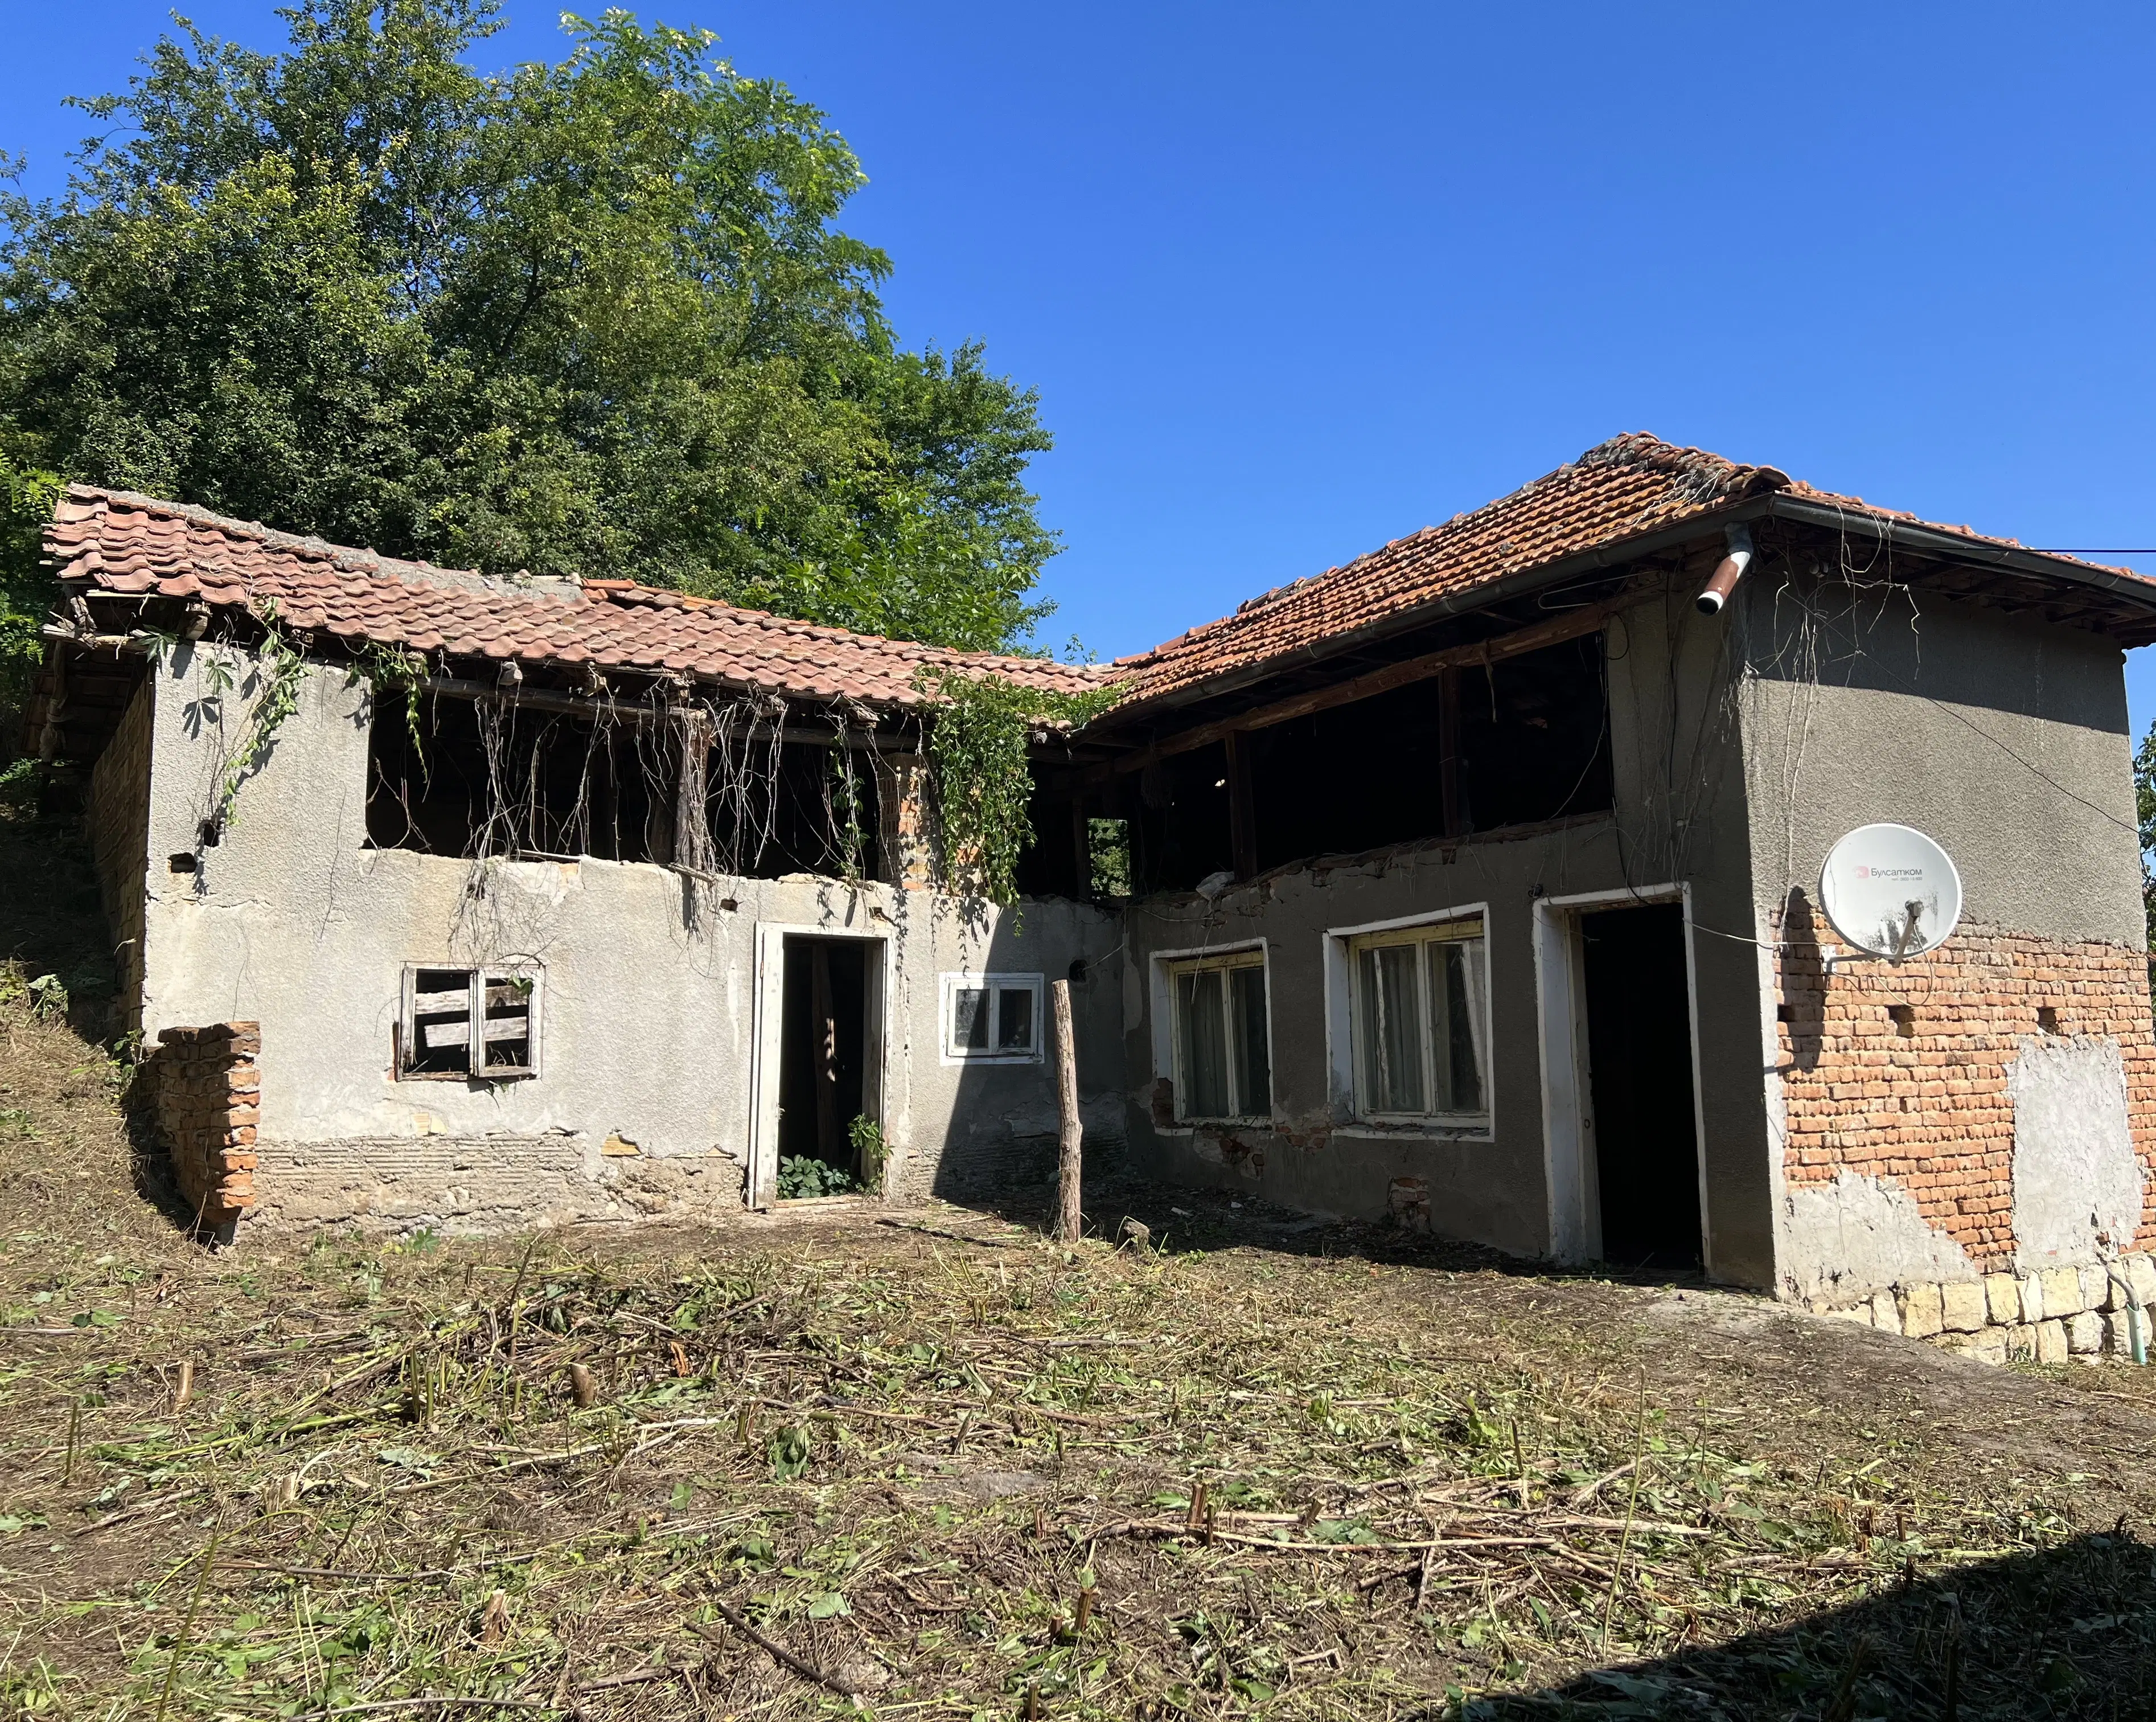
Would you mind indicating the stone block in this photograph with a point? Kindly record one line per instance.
(2141, 1275)
(2032, 1299)
(1962, 1306)
(2097, 1288)
(1886, 1313)
(1921, 1316)
(2002, 1298)
(2062, 1293)
(2050, 1341)
(2085, 1333)
(1989, 1346)
(2020, 1344)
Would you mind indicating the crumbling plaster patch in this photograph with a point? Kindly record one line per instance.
(1858, 1234)
(2077, 1182)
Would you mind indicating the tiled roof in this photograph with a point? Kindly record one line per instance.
(1629, 486)
(123, 543)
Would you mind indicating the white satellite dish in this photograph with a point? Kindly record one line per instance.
(1891, 891)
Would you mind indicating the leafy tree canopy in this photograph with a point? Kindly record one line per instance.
(590, 316)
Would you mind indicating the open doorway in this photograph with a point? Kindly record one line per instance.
(829, 1134)
(1636, 990)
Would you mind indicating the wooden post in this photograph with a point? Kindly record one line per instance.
(1242, 808)
(1070, 1223)
(1448, 750)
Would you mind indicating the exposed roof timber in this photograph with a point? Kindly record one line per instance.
(1614, 558)
(1570, 626)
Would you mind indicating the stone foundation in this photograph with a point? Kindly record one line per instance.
(468, 1186)
(2045, 1316)
(205, 1089)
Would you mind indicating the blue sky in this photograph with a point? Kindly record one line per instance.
(1295, 281)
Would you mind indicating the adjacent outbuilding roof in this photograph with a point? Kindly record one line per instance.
(124, 544)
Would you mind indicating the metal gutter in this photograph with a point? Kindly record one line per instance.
(1936, 541)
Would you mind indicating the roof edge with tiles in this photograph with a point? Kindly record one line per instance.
(1627, 491)
(121, 543)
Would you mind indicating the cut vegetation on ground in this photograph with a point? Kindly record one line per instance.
(922, 1463)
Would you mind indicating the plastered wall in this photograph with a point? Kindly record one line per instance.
(2002, 1121)
(642, 1105)
(1678, 820)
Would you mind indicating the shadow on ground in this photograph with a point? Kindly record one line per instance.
(2068, 1633)
(1182, 1218)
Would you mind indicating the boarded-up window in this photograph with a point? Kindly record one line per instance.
(468, 1024)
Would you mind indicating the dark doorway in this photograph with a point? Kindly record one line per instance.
(1639, 1059)
(825, 1038)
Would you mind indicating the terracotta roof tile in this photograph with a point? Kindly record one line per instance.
(125, 543)
(1628, 487)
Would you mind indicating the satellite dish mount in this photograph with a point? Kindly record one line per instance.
(1891, 891)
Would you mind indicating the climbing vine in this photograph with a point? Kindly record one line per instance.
(281, 665)
(977, 747)
(388, 671)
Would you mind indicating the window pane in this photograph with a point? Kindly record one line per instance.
(1456, 1034)
(969, 1019)
(1254, 1078)
(1392, 1031)
(1014, 1018)
(1205, 1044)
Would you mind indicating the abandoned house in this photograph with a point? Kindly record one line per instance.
(1474, 883)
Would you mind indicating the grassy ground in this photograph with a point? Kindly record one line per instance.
(922, 1463)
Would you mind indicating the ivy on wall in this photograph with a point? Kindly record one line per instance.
(977, 746)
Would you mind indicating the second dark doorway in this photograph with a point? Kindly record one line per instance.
(1639, 1037)
(823, 1061)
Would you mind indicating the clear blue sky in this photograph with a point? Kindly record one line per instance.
(1293, 281)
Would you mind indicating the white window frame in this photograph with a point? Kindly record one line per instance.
(946, 1016)
(1171, 969)
(1343, 1028)
(475, 1014)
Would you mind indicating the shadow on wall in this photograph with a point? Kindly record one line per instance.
(1804, 980)
(2070, 1631)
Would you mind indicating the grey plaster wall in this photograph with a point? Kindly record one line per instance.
(1678, 820)
(649, 1006)
(2006, 740)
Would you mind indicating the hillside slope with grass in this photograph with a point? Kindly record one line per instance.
(928, 1465)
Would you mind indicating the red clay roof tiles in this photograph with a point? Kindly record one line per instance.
(123, 543)
(1628, 487)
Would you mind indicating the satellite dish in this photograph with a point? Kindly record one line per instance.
(1891, 891)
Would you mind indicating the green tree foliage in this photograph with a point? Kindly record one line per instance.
(2144, 808)
(594, 316)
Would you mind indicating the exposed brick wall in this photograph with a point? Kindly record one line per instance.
(1929, 1108)
(205, 1087)
(118, 819)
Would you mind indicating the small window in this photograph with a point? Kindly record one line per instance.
(993, 1019)
(1223, 1055)
(468, 1024)
(1421, 1027)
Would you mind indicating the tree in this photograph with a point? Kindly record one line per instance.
(590, 316)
